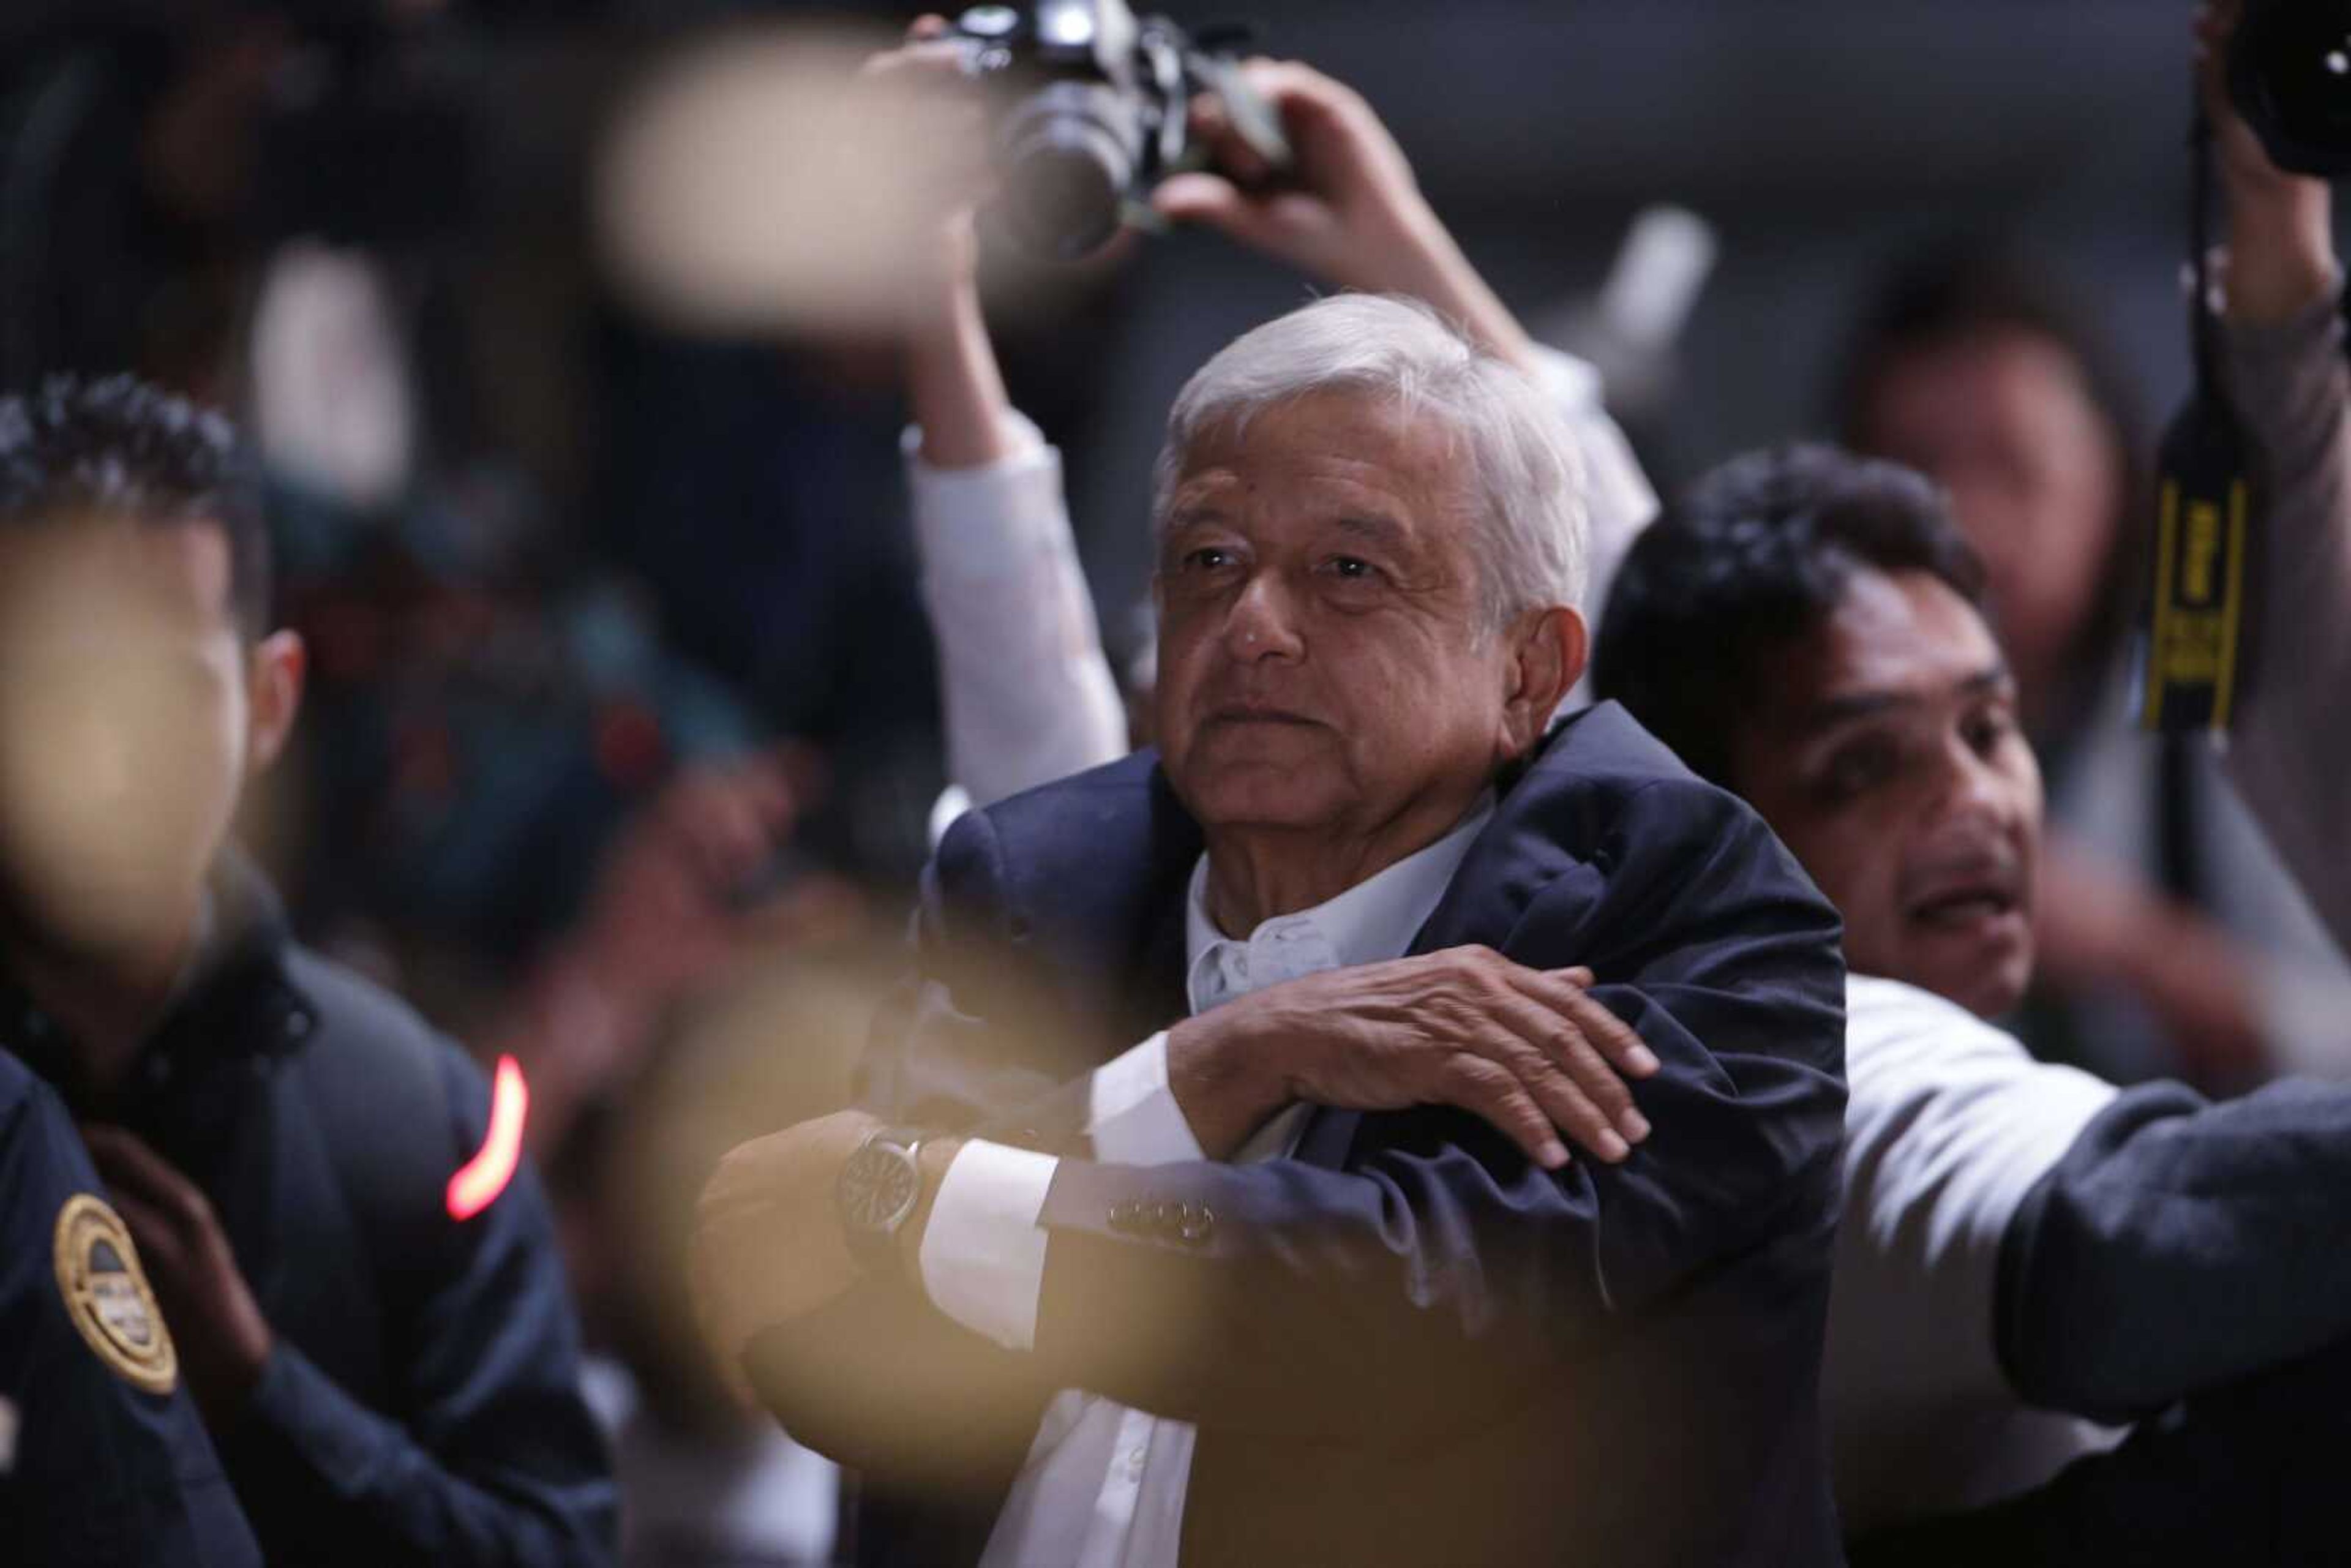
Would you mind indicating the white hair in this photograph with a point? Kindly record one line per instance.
(1525, 475)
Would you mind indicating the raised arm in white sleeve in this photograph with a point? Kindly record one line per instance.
(1028, 691)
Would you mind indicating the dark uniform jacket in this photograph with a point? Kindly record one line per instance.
(103, 1459)
(421, 1404)
(1406, 1344)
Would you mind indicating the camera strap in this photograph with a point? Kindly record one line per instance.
(2195, 630)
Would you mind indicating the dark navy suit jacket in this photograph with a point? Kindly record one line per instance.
(1407, 1344)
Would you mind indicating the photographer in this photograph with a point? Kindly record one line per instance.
(1027, 693)
(2285, 370)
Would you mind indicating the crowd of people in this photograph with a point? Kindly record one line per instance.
(1533, 1023)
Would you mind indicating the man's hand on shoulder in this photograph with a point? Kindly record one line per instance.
(222, 1338)
(1529, 1050)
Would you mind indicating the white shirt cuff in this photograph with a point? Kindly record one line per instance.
(983, 1253)
(1132, 1115)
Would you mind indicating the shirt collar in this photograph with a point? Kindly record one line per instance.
(1375, 920)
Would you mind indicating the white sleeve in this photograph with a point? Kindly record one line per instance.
(1622, 500)
(1132, 1117)
(1027, 688)
(983, 1252)
(1950, 1122)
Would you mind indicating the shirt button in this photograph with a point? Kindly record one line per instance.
(1135, 1458)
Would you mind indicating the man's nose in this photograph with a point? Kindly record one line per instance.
(1973, 787)
(1263, 623)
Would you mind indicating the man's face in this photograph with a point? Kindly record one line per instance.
(123, 726)
(1887, 756)
(1321, 659)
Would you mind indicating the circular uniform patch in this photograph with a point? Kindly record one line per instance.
(107, 1296)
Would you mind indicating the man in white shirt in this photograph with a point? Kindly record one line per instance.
(2023, 1245)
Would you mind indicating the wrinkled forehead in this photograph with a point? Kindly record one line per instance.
(103, 578)
(1338, 440)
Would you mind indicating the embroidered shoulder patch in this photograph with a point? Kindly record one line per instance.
(108, 1297)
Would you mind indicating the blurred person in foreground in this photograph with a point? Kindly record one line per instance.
(103, 1459)
(1385, 937)
(2173, 941)
(355, 1263)
(2023, 1244)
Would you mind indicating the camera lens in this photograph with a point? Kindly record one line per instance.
(2290, 73)
(1070, 158)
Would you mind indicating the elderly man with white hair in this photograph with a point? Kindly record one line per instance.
(1210, 1199)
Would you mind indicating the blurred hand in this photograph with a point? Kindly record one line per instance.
(2203, 987)
(1347, 205)
(958, 175)
(1347, 212)
(2281, 233)
(2100, 924)
(668, 906)
(222, 1337)
(767, 1246)
(1529, 1050)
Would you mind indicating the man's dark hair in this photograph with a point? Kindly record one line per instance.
(120, 447)
(1753, 557)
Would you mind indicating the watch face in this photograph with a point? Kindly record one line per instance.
(877, 1188)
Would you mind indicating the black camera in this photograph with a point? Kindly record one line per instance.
(1099, 115)
(2290, 74)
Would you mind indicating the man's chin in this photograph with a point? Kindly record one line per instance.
(1989, 981)
(1259, 796)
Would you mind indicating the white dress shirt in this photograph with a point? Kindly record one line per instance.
(1948, 1123)
(1103, 1484)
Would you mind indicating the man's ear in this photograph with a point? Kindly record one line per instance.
(1547, 655)
(274, 686)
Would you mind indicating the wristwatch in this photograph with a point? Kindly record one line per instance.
(879, 1187)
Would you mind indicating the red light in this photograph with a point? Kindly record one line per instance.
(477, 1185)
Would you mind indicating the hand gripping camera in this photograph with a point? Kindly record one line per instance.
(2290, 74)
(1099, 116)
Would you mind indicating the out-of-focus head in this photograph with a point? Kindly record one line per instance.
(1975, 368)
(1370, 536)
(139, 689)
(1804, 629)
